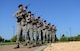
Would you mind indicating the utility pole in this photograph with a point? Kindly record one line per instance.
(60, 35)
(70, 33)
(67, 35)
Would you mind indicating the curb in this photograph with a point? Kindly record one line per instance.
(42, 47)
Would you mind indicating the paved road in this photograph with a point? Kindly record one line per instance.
(10, 48)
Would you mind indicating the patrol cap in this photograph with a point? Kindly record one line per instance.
(44, 20)
(26, 7)
(29, 11)
(52, 25)
(32, 14)
(38, 16)
(49, 24)
(20, 5)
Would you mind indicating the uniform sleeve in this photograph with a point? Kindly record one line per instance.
(16, 14)
(55, 29)
(41, 23)
(33, 20)
(25, 13)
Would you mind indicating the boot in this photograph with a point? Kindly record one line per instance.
(25, 44)
(40, 42)
(34, 44)
(17, 47)
(29, 45)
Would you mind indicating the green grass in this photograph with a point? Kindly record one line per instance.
(7, 43)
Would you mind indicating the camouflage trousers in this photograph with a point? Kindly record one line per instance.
(21, 29)
(53, 36)
(49, 36)
(45, 35)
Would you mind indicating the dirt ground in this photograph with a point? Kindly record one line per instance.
(64, 46)
(22, 48)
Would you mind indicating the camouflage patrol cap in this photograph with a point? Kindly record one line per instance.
(38, 16)
(49, 24)
(20, 5)
(32, 14)
(52, 25)
(26, 7)
(44, 20)
(29, 11)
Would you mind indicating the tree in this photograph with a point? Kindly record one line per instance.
(71, 38)
(56, 39)
(74, 38)
(13, 39)
(63, 38)
(78, 38)
(7, 40)
(1, 39)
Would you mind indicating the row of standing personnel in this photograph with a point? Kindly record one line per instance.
(35, 30)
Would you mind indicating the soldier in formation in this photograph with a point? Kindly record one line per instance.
(33, 28)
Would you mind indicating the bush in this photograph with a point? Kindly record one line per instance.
(1, 39)
(7, 41)
(63, 38)
(56, 39)
(13, 39)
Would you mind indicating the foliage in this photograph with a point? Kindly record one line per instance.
(1, 39)
(13, 39)
(63, 38)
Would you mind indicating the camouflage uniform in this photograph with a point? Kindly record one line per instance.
(53, 33)
(39, 25)
(30, 29)
(35, 31)
(20, 25)
(49, 32)
(45, 32)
